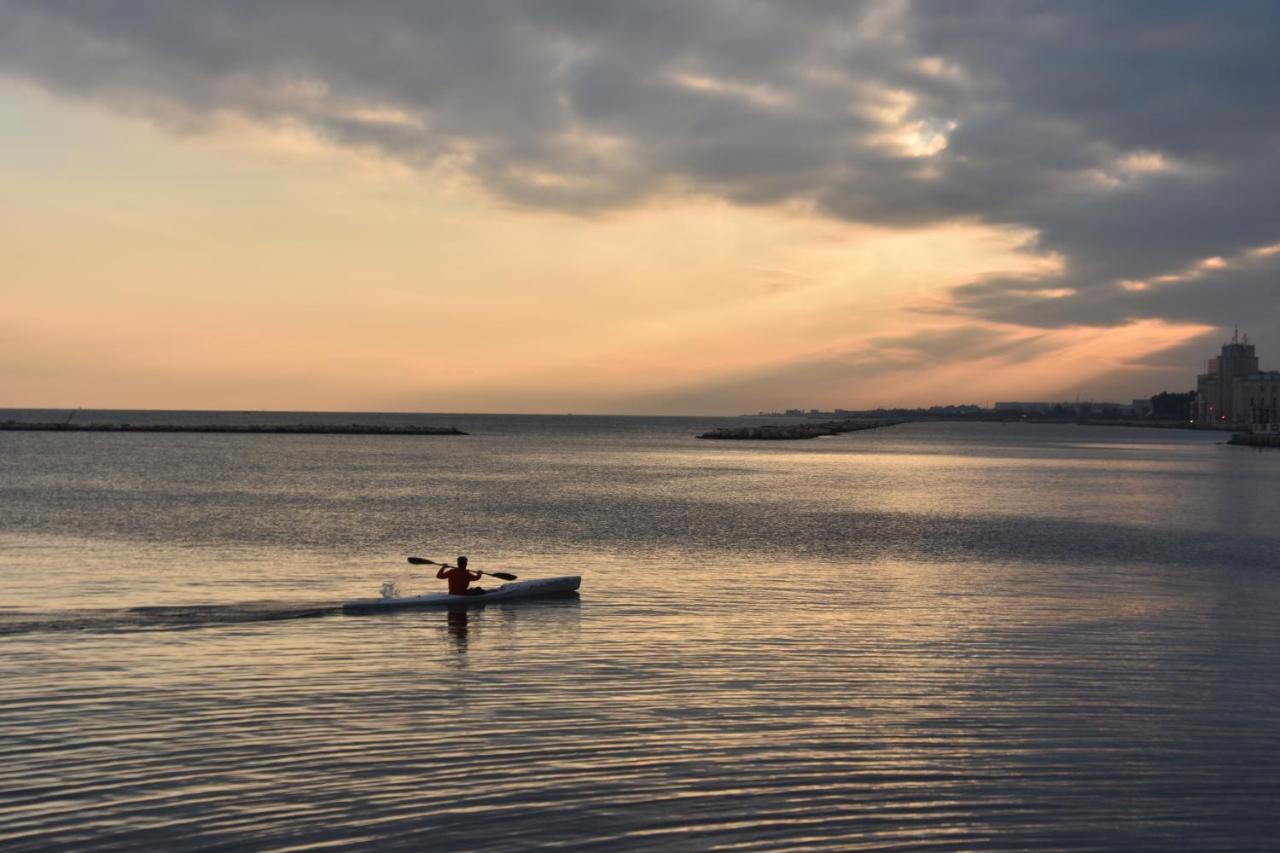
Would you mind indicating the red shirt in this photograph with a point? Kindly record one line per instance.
(459, 580)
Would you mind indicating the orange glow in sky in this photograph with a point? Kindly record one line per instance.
(257, 265)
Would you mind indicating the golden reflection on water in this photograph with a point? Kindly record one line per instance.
(941, 484)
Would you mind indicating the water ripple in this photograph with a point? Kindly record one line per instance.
(826, 649)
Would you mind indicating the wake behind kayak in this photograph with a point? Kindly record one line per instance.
(507, 592)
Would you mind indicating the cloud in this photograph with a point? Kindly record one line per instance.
(1135, 140)
(929, 347)
(883, 363)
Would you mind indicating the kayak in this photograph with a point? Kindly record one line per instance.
(507, 592)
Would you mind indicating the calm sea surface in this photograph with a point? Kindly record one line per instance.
(930, 636)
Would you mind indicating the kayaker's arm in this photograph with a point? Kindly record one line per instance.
(440, 572)
(475, 576)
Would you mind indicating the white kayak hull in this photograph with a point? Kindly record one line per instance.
(507, 592)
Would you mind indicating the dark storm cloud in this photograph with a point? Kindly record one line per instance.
(1135, 139)
(1243, 292)
(1077, 87)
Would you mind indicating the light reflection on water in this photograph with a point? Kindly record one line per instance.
(932, 636)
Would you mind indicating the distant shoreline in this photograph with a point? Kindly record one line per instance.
(284, 429)
(794, 432)
(996, 419)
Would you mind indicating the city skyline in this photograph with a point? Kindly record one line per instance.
(619, 208)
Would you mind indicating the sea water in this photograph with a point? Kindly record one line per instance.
(925, 636)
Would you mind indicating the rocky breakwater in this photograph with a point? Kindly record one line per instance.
(1253, 439)
(287, 429)
(794, 432)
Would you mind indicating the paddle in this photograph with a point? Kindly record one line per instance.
(422, 561)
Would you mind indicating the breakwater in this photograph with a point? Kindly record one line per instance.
(1249, 439)
(795, 432)
(288, 429)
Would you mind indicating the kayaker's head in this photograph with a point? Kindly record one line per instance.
(462, 562)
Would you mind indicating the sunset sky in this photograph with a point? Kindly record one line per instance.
(631, 207)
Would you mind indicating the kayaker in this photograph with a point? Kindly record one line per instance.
(459, 578)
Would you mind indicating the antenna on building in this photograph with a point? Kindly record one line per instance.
(1235, 338)
(1246, 338)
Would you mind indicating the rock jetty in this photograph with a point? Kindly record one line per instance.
(1250, 439)
(794, 432)
(288, 429)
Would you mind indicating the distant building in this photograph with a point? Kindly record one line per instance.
(1253, 399)
(952, 411)
(1172, 406)
(1027, 407)
(1065, 409)
(1218, 401)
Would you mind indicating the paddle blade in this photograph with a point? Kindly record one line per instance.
(506, 576)
(419, 561)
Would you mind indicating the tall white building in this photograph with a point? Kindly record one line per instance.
(1225, 389)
